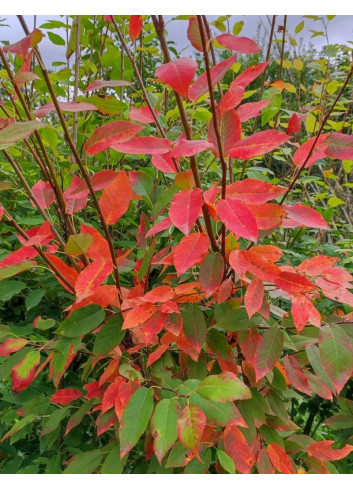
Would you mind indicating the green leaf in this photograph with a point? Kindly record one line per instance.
(78, 244)
(163, 426)
(191, 424)
(299, 27)
(135, 418)
(10, 288)
(113, 464)
(82, 321)
(238, 27)
(84, 463)
(230, 318)
(211, 272)
(226, 461)
(336, 354)
(194, 325)
(12, 270)
(50, 424)
(17, 132)
(268, 351)
(224, 387)
(34, 298)
(109, 336)
(273, 108)
(218, 413)
(18, 426)
(56, 39)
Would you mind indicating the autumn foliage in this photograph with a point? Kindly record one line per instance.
(187, 326)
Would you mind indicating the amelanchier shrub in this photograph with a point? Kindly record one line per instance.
(188, 329)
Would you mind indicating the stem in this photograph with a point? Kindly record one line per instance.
(159, 27)
(77, 71)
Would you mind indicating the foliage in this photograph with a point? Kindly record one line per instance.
(182, 232)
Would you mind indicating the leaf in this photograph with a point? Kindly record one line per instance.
(78, 244)
(306, 216)
(194, 325)
(279, 459)
(109, 336)
(252, 191)
(178, 74)
(268, 351)
(211, 273)
(296, 374)
(226, 462)
(190, 251)
(316, 265)
(44, 193)
(135, 418)
(254, 297)
(258, 144)
(84, 463)
(11, 345)
(251, 109)
(10, 288)
(21, 47)
(193, 34)
(318, 152)
(65, 396)
(24, 372)
(78, 415)
(238, 218)
(17, 131)
(185, 209)
(293, 283)
(18, 426)
(336, 354)
(185, 147)
(115, 198)
(162, 293)
(164, 426)
(143, 114)
(236, 447)
(249, 74)
(135, 26)
(224, 387)
(82, 321)
(164, 163)
(323, 451)
(190, 426)
(91, 278)
(231, 99)
(240, 44)
(267, 216)
(138, 315)
(65, 107)
(230, 131)
(144, 144)
(339, 146)
(113, 464)
(294, 124)
(70, 274)
(109, 134)
(98, 84)
(200, 87)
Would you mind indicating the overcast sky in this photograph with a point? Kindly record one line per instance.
(340, 30)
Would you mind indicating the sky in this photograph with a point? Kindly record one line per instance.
(340, 30)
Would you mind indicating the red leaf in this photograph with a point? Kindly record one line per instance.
(293, 124)
(238, 218)
(104, 296)
(190, 251)
(251, 109)
(236, 447)
(102, 179)
(163, 293)
(65, 396)
(240, 44)
(19, 256)
(319, 151)
(200, 87)
(279, 459)
(98, 84)
(21, 47)
(316, 265)
(296, 374)
(138, 315)
(24, 372)
(70, 274)
(144, 144)
(142, 114)
(231, 99)
(230, 131)
(156, 354)
(252, 191)
(159, 227)
(115, 198)
(178, 74)
(185, 209)
(258, 144)
(254, 297)
(91, 278)
(293, 283)
(99, 248)
(94, 391)
(44, 193)
(340, 146)
(268, 216)
(306, 216)
(300, 312)
(184, 147)
(135, 26)
(164, 163)
(38, 235)
(323, 450)
(11, 345)
(190, 427)
(64, 106)
(109, 134)
(249, 74)
(194, 35)
(110, 395)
